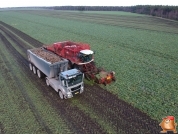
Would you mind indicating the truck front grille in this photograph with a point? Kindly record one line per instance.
(75, 88)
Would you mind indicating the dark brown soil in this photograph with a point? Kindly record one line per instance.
(76, 119)
(119, 114)
(46, 55)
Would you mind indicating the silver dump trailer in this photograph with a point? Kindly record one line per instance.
(54, 68)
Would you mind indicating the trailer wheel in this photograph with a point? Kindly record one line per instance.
(61, 94)
(47, 82)
(34, 69)
(30, 65)
(39, 73)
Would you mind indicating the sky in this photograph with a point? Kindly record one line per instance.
(29, 3)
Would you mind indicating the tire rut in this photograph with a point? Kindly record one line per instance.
(119, 113)
(115, 111)
(36, 43)
(24, 36)
(22, 89)
(75, 117)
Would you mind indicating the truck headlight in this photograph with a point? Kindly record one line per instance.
(69, 95)
(81, 90)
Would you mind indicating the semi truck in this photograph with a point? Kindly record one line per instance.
(54, 68)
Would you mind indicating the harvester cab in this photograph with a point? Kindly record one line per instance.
(86, 55)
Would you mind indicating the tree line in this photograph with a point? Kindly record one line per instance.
(170, 12)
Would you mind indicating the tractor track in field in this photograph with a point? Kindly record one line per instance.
(22, 88)
(72, 114)
(24, 36)
(6, 76)
(110, 19)
(112, 110)
(37, 43)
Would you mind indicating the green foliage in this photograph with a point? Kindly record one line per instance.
(141, 50)
(23, 108)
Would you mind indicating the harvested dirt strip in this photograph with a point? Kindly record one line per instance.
(24, 36)
(99, 20)
(23, 91)
(78, 121)
(119, 113)
(36, 43)
(112, 23)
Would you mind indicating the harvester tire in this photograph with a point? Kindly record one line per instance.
(61, 94)
(34, 69)
(79, 67)
(104, 83)
(87, 77)
(114, 79)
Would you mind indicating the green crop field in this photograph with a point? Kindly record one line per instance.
(141, 50)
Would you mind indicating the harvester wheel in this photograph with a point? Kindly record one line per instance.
(61, 94)
(87, 77)
(114, 79)
(79, 67)
(104, 83)
(34, 69)
(30, 65)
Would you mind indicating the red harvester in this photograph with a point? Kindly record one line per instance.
(80, 56)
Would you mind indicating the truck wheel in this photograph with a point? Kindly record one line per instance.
(61, 94)
(39, 73)
(30, 65)
(34, 69)
(47, 82)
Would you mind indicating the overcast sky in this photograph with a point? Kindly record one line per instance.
(22, 3)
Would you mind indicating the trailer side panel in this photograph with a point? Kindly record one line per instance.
(49, 69)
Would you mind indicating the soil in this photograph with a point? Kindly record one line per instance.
(46, 55)
(101, 74)
(121, 116)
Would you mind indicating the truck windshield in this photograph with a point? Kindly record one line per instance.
(74, 80)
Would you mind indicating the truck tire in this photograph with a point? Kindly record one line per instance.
(34, 69)
(61, 94)
(47, 82)
(30, 65)
(39, 73)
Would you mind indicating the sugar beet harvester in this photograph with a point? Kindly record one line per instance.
(45, 63)
(81, 57)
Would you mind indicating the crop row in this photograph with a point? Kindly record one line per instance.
(145, 61)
